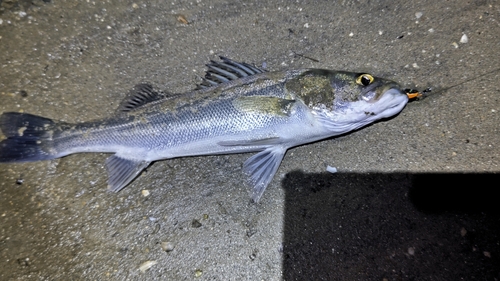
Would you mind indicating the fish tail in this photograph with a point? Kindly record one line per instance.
(27, 138)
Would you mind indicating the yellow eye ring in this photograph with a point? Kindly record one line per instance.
(364, 79)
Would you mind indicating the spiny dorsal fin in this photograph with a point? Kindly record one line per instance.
(139, 96)
(226, 70)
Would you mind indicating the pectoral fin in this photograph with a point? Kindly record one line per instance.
(261, 168)
(122, 171)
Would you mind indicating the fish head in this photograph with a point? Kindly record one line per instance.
(363, 94)
(345, 101)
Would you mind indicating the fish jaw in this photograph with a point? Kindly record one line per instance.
(348, 116)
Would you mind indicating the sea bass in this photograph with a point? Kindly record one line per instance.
(237, 108)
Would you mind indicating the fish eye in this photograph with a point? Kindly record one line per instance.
(364, 79)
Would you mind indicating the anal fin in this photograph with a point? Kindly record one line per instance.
(122, 171)
(262, 167)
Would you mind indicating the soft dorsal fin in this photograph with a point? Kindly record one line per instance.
(139, 96)
(226, 70)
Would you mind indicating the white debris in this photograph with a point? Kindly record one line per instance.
(418, 14)
(331, 169)
(306, 25)
(455, 44)
(351, 34)
(431, 30)
(145, 192)
(167, 246)
(415, 65)
(464, 39)
(146, 265)
(411, 251)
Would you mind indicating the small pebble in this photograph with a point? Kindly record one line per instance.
(167, 246)
(157, 228)
(182, 19)
(198, 273)
(463, 231)
(418, 15)
(145, 192)
(487, 254)
(195, 223)
(24, 262)
(464, 39)
(411, 251)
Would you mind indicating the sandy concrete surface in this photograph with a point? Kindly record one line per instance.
(414, 198)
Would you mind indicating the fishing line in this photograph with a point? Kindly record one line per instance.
(419, 95)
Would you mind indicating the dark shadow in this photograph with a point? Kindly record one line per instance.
(394, 226)
(467, 193)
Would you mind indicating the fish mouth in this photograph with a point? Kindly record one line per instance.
(393, 100)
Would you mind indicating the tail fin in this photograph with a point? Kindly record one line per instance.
(28, 138)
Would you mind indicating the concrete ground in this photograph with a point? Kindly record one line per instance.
(414, 198)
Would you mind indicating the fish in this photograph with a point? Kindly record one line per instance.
(237, 108)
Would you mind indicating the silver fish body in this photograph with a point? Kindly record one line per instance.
(238, 108)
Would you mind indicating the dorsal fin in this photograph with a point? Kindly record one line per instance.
(139, 96)
(226, 70)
